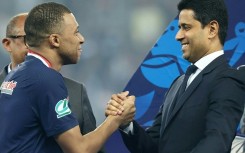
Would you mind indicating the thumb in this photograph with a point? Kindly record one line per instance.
(124, 93)
(131, 98)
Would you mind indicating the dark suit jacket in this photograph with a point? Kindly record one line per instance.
(3, 74)
(204, 119)
(241, 68)
(80, 104)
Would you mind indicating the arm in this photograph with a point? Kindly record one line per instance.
(137, 140)
(143, 141)
(72, 141)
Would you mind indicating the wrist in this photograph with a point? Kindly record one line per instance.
(113, 120)
(124, 126)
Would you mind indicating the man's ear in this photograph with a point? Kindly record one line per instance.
(54, 40)
(6, 44)
(214, 29)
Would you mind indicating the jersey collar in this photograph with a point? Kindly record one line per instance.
(40, 57)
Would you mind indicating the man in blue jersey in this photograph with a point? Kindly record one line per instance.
(35, 114)
(15, 46)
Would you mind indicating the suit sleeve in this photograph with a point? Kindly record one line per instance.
(89, 122)
(242, 73)
(225, 110)
(144, 141)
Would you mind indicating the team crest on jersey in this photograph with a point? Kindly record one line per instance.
(62, 109)
(7, 87)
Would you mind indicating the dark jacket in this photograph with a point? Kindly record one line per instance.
(204, 119)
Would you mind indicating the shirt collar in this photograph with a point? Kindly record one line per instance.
(204, 61)
(9, 68)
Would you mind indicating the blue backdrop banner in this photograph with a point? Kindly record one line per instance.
(164, 63)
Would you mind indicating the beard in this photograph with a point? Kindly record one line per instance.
(67, 58)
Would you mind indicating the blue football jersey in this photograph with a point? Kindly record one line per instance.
(34, 107)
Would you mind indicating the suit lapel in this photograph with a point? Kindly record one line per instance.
(170, 97)
(3, 74)
(186, 94)
(181, 100)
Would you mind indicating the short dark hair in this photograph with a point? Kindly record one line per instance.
(43, 20)
(207, 11)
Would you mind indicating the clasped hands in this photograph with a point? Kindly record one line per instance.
(122, 106)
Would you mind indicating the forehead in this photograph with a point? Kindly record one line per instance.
(19, 27)
(21, 20)
(70, 21)
(186, 16)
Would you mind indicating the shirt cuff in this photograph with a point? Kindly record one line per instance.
(128, 129)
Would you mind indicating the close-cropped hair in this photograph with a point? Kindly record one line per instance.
(206, 11)
(44, 20)
(11, 27)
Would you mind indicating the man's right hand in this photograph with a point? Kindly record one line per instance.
(122, 106)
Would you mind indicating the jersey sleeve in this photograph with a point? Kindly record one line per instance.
(53, 105)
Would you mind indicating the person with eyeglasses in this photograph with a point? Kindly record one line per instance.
(14, 43)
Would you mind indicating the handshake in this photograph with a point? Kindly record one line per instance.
(121, 107)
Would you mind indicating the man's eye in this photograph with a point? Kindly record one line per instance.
(77, 32)
(186, 27)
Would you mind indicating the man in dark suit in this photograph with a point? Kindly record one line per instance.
(238, 144)
(241, 68)
(14, 44)
(202, 116)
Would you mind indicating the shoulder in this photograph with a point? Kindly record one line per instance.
(235, 74)
(45, 78)
(241, 72)
(49, 77)
(73, 83)
(232, 79)
(241, 67)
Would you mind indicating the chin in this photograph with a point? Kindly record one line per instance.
(69, 62)
(185, 57)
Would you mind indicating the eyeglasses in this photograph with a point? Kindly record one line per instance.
(16, 36)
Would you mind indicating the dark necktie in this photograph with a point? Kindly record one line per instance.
(191, 69)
